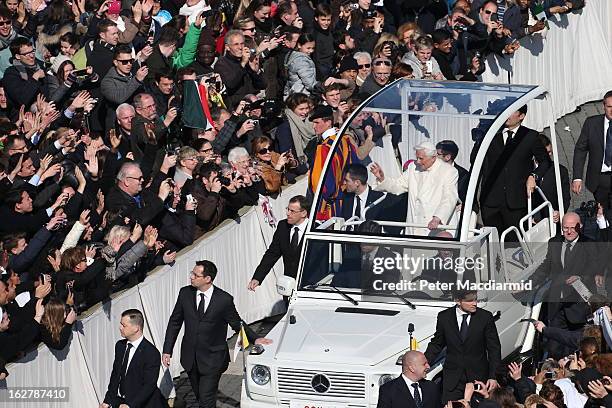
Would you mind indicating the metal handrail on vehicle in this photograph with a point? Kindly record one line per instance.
(502, 241)
(531, 212)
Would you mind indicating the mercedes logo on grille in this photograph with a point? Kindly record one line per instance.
(320, 383)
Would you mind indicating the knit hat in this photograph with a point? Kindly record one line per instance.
(57, 62)
(348, 63)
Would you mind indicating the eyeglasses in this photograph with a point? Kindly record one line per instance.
(382, 62)
(191, 158)
(252, 29)
(193, 275)
(490, 12)
(362, 66)
(265, 150)
(31, 52)
(152, 106)
(569, 228)
(292, 211)
(136, 178)
(210, 149)
(5, 23)
(125, 62)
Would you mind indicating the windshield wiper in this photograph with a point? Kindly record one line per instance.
(328, 285)
(406, 301)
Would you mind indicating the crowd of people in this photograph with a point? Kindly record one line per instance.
(129, 129)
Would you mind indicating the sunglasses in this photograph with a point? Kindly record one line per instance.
(489, 12)
(125, 62)
(382, 62)
(362, 66)
(265, 150)
(253, 29)
(5, 23)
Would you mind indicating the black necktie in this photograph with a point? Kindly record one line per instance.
(357, 206)
(295, 238)
(417, 396)
(463, 332)
(201, 305)
(124, 365)
(566, 255)
(608, 151)
(508, 136)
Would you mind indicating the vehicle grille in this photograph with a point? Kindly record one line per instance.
(341, 385)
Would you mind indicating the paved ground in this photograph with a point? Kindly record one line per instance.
(567, 130)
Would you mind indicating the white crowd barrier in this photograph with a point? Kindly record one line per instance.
(85, 365)
(573, 61)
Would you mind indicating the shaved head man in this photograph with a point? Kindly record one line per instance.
(411, 383)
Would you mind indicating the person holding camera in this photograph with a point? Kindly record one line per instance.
(273, 166)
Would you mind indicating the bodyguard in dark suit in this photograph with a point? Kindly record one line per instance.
(569, 257)
(548, 183)
(508, 173)
(473, 350)
(359, 196)
(287, 242)
(448, 151)
(206, 311)
(596, 141)
(410, 390)
(133, 381)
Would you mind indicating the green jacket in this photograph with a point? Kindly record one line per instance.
(186, 54)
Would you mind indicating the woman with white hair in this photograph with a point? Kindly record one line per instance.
(431, 185)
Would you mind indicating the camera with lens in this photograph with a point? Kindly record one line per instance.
(224, 180)
(460, 27)
(589, 208)
(172, 149)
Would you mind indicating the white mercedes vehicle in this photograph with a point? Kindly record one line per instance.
(369, 283)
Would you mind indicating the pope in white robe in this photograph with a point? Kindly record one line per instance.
(431, 185)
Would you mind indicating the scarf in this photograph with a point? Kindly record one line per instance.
(23, 69)
(301, 132)
(6, 41)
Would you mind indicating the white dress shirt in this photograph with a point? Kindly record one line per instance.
(363, 197)
(505, 134)
(605, 168)
(207, 296)
(460, 314)
(301, 230)
(135, 345)
(409, 383)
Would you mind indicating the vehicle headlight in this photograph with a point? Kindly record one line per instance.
(385, 378)
(260, 374)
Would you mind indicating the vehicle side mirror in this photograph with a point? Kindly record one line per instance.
(285, 285)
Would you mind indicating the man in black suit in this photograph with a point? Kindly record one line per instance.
(359, 196)
(596, 141)
(133, 381)
(473, 350)
(448, 151)
(569, 257)
(548, 184)
(206, 311)
(508, 174)
(410, 390)
(287, 242)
